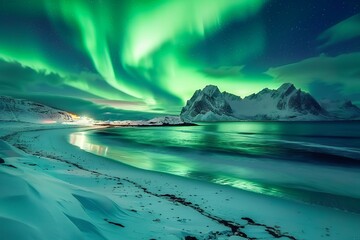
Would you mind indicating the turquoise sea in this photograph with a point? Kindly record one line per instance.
(313, 162)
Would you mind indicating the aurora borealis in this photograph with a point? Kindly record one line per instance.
(113, 56)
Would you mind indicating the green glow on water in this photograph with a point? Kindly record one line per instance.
(163, 162)
(269, 158)
(156, 159)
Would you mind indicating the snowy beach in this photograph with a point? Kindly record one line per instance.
(179, 120)
(52, 189)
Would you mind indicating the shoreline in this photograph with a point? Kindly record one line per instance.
(319, 194)
(214, 211)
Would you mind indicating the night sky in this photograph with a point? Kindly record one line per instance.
(114, 59)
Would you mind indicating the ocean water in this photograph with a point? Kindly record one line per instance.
(313, 162)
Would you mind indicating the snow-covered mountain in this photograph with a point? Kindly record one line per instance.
(285, 103)
(341, 109)
(209, 104)
(12, 109)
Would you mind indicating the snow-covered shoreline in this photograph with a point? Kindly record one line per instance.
(52, 189)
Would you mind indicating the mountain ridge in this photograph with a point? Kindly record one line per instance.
(21, 110)
(286, 103)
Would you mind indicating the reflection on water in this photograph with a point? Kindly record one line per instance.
(301, 161)
(134, 157)
(249, 186)
(80, 140)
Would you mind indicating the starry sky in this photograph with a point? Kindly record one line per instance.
(113, 59)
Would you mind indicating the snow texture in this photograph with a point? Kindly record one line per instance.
(53, 190)
(20, 110)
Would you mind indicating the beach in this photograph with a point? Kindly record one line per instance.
(51, 189)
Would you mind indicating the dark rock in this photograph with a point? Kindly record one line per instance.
(190, 238)
(114, 223)
(305, 103)
(9, 165)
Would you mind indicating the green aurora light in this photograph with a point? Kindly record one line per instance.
(145, 35)
(152, 52)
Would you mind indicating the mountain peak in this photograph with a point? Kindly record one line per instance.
(286, 87)
(211, 90)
